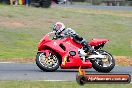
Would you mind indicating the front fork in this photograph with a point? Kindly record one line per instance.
(47, 53)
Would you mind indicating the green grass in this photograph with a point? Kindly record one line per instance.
(49, 84)
(21, 28)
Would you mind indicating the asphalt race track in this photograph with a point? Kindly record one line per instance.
(17, 71)
(116, 8)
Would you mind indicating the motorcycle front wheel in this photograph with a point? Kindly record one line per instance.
(104, 64)
(50, 63)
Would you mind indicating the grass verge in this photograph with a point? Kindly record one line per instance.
(50, 84)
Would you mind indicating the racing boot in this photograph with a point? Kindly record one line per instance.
(87, 49)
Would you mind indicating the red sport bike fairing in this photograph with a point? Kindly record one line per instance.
(68, 54)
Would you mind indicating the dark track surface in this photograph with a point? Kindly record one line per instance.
(15, 71)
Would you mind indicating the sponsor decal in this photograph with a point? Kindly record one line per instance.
(65, 59)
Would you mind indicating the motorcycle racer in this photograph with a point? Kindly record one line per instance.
(62, 32)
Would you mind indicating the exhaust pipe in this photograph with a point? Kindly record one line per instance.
(97, 56)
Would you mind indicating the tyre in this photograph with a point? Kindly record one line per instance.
(45, 3)
(104, 65)
(50, 63)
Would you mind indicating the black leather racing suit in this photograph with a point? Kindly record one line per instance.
(70, 32)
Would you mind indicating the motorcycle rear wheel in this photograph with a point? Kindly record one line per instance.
(99, 65)
(49, 64)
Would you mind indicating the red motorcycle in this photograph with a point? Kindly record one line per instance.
(68, 54)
